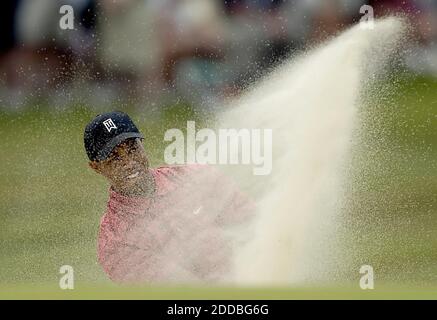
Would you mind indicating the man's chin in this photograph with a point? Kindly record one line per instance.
(139, 187)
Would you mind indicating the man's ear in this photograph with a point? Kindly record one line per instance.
(95, 166)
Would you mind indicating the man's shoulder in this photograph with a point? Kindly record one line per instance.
(181, 168)
(174, 172)
(170, 177)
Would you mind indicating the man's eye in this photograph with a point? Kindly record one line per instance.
(116, 157)
(133, 145)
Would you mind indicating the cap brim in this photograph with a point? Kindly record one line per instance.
(107, 149)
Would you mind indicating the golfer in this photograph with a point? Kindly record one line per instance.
(166, 224)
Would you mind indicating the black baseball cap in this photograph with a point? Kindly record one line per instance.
(106, 131)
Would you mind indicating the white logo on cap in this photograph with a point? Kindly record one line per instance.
(109, 124)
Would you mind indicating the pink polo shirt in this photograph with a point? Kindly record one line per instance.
(180, 234)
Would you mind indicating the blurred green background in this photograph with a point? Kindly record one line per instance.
(51, 202)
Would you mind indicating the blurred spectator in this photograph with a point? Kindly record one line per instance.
(423, 59)
(387, 7)
(153, 37)
(143, 51)
(8, 40)
(43, 54)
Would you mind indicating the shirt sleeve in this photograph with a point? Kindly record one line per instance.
(239, 208)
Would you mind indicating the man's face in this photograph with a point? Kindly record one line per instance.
(126, 168)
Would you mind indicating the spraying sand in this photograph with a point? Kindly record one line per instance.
(311, 104)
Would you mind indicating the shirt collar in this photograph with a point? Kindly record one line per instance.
(133, 204)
